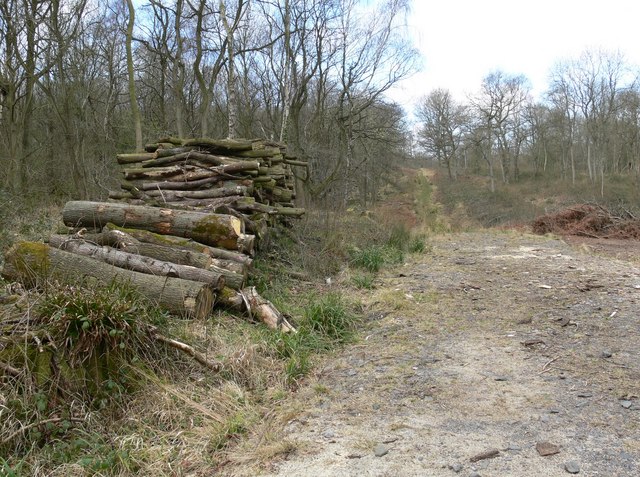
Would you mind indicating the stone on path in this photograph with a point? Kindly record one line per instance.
(380, 450)
(572, 467)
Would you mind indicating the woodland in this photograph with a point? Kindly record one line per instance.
(82, 80)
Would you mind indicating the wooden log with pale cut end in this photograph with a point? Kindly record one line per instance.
(143, 264)
(180, 256)
(248, 300)
(210, 229)
(185, 243)
(33, 263)
(264, 310)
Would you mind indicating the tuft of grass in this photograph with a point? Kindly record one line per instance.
(326, 323)
(370, 258)
(399, 237)
(363, 281)
(418, 244)
(331, 318)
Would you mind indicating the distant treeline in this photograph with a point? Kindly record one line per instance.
(587, 123)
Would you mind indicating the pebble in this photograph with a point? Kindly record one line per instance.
(585, 395)
(380, 450)
(456, 468)
(626, 404)
(328, 434)
(513, 447)
(547, 448)
(606, 354)
(572, 467)
(475, 474)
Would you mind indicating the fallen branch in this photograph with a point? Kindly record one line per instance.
(24, 429)
(214, 366)
(264, 310)
(546, 367)
(7, 368)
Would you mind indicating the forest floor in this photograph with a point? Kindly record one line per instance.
(495, 353)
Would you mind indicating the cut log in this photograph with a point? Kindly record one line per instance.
(171, 196)
(192, 185)
(142, 264)
(206, 205)
(135, 157)
(185, 243)
(248, 300)
(34, 263)
(293, 162)
(210, 229)
(220, 145)
(165, 159)
(180, 256)
(264, 310)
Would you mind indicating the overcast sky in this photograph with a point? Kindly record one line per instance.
(461, 41)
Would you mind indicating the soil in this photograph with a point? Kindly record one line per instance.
(478, 357)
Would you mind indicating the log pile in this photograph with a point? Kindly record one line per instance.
(250, 179)
(183, 230)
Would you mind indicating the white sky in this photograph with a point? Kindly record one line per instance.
(461, 41)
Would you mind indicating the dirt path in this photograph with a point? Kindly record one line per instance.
(490, 341)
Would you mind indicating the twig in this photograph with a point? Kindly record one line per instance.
(214, 366)
(7, 368)
(24, 429)
(546, 367)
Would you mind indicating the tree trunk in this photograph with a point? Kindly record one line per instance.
(180, 256)
(135, 111)
(216, 276)
(183, 243)
(34, 263)
(211, 229)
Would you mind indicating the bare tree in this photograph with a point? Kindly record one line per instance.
(443, 123)
(500, 104)
(133, 100)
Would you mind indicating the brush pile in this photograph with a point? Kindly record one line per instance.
(588, 220)
(183, 230)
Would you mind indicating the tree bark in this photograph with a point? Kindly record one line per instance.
(264, 310)
(143, 264)
(171, 196)
(210, 229)
(180, 256)
(33, 263)
(183, 243)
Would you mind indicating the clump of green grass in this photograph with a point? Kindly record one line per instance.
(326, 323)
(330, 318)
(76, 343)
(417, 245)
(370, 258)
(363, 280)
(399, 237)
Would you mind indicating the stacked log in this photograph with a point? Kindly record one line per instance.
(183, 230)
(250, 179)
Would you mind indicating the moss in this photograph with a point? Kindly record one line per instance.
(30, 261)
(213, 230)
